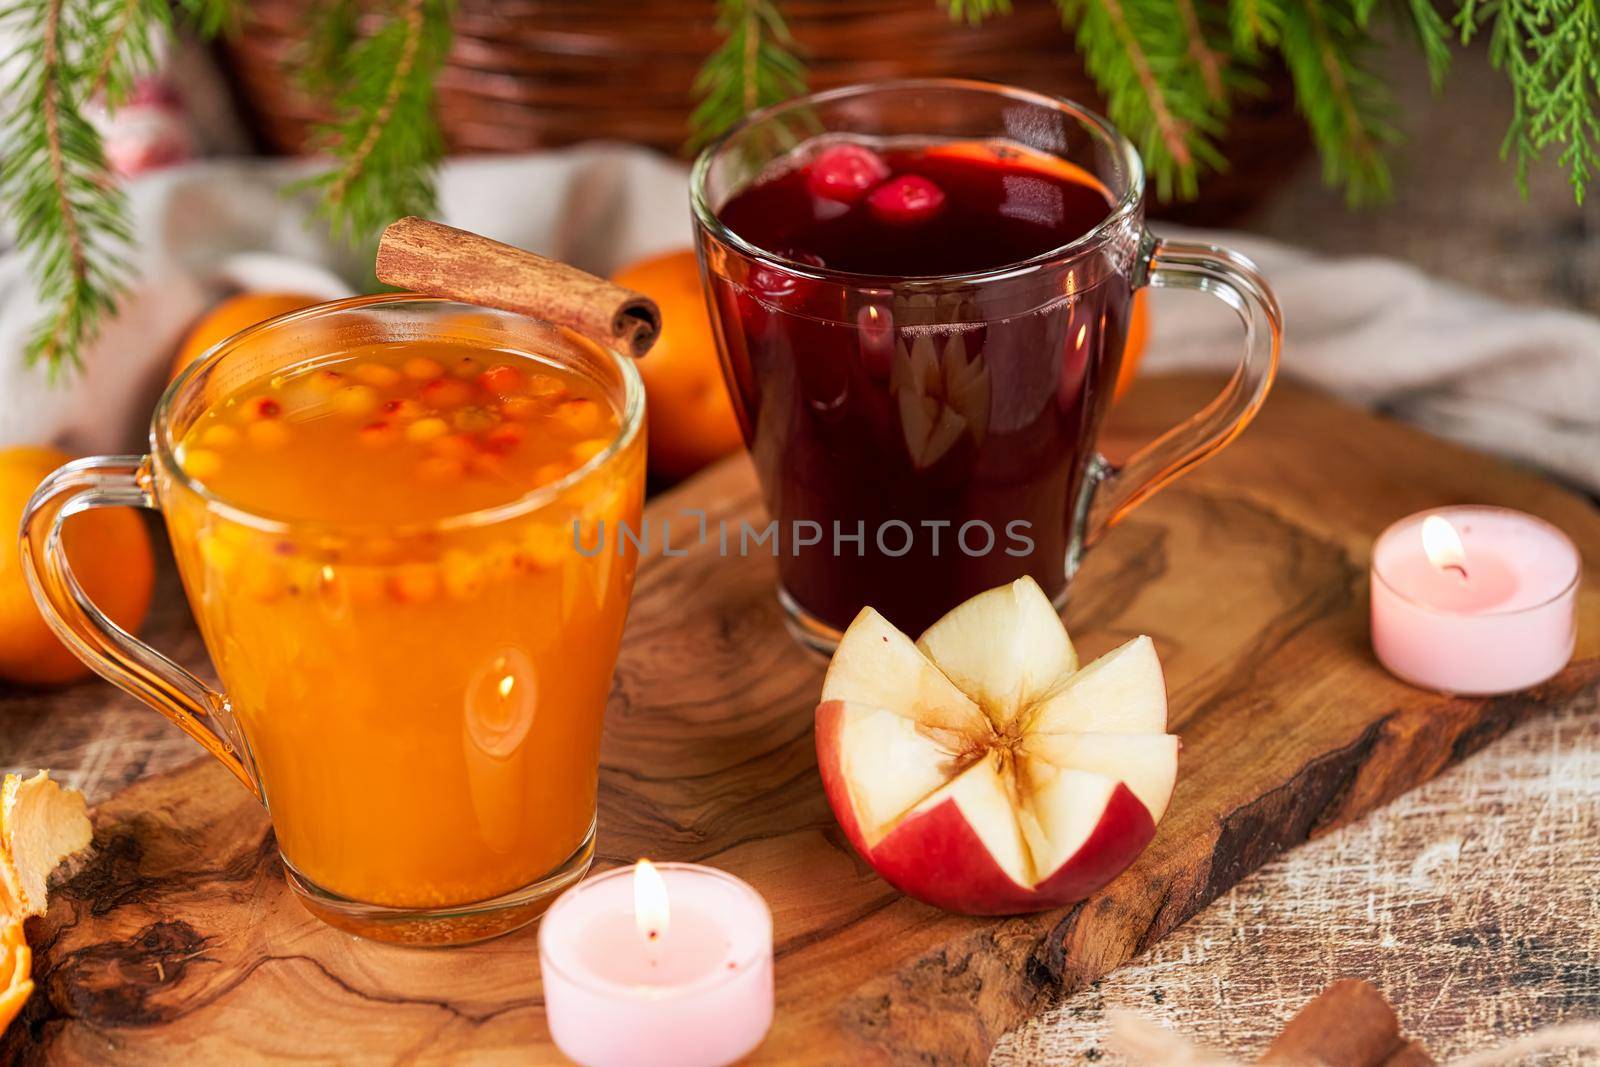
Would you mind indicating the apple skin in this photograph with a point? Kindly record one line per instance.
(936, 857)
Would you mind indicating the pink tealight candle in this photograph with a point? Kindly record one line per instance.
(658, 964)
(1474, 600)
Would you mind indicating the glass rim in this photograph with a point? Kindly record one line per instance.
(712, 979)
(1393, 530)
(164, 448)
(1125, 207)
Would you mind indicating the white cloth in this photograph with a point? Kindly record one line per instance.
(1523, 382)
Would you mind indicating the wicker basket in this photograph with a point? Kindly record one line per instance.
(532, 73)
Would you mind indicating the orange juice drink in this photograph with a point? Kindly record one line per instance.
(400, 554)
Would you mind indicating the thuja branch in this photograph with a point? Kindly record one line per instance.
(1550, 52)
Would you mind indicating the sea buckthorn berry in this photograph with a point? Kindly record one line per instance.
(468, 367)
(262, 407)
(462, 573)
(378, 434)
(269, 433)
(414, 583)
(473, 419)
(441, 469)
(582, 415)
(356, 400)
(427, 429)
(584, 451)
(445, 393)
(405, 409)
(553, 471)
(500, 562)
(455, 445)
(327, 381)
(201, 463)
(546, 385)
(264, 580)
(220, 435)
(218, 553)
(363, 585)
(379, 374)
(520, 407)
(547, 544)
(845, 172)
(422, 369)
(380, 549)
(504, 438)
(333, 545)
(502, 381)
(485, 464)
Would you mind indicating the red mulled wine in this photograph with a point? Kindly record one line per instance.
(921, 379)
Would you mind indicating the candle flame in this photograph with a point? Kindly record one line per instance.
(650, 911)
(1442, 544)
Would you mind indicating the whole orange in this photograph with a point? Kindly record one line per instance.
(229, 317)
(692, 420)
(1133, 349)
(108, 550)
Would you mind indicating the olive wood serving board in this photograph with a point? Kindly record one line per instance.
(178, 938)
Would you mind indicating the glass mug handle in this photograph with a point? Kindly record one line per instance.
(113, 653)
(1234, 280)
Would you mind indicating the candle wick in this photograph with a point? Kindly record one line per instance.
(1461, 572)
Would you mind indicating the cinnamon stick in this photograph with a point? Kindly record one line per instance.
(439, 260)
(1349, 1024)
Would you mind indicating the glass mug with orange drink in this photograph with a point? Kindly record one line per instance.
(376, 507)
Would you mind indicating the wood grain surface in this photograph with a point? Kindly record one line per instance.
(1250, 575)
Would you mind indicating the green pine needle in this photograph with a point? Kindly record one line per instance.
(70, 219)
(1432, 34)
(386, 142)
(130, 30)
(1145, 62)
(975, 12)
(756, 65)
(1347, 107)
(1254, 25)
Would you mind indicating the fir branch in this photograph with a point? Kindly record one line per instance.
(1550, 52)
(212, 18)
(1346, 106)
(1144, 63)
(975, 12)
(70, 219)
(1254, 25)
(756, 65)
(1208, 61)
(324, 61)
(386, 140)
(1432, 33)
(131, 29)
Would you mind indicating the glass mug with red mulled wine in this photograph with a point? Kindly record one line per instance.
(921, 293)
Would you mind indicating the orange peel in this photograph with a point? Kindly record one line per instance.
(41, 824)
(16, 972)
